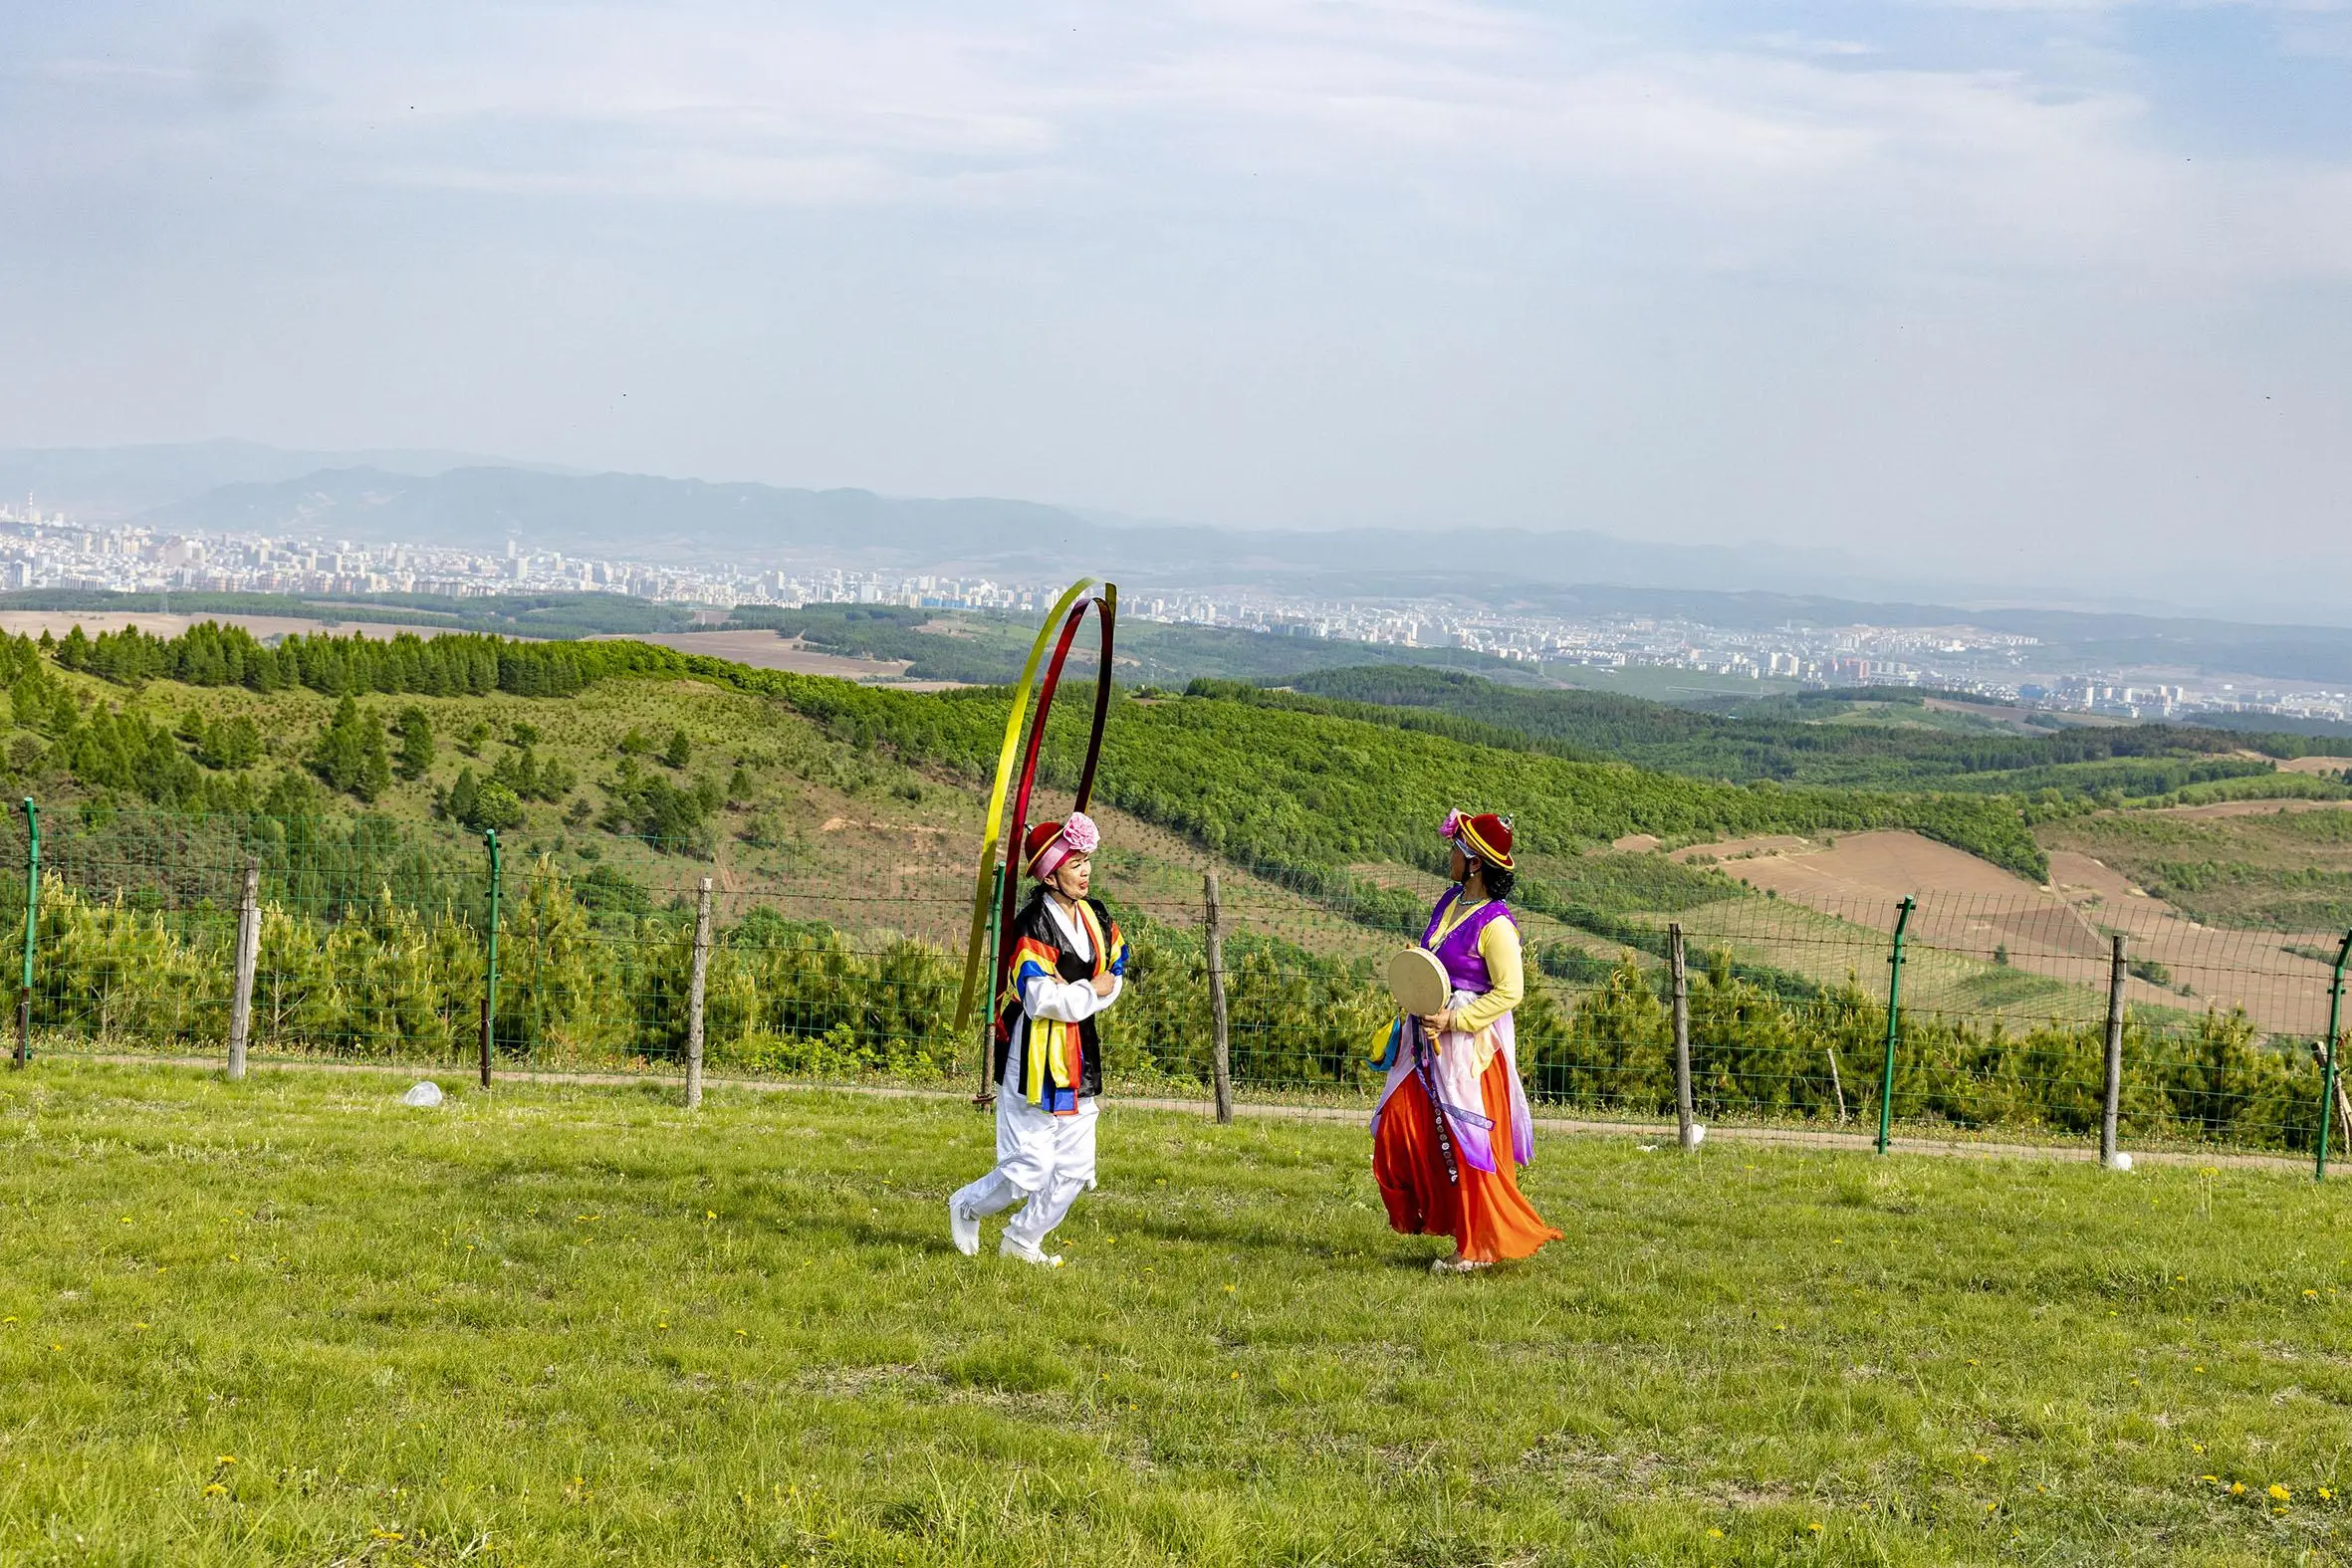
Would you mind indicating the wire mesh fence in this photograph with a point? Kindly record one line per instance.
(375, 943)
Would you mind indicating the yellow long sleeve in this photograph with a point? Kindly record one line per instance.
(1499, 945)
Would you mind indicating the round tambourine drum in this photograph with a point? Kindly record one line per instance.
(1418, 982)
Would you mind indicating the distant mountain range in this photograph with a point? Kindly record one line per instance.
(646, 517)
(111, 482)
(455, 498)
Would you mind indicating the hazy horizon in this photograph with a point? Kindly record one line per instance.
(2053, 292)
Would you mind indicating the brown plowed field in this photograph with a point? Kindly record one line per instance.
(1970, 910)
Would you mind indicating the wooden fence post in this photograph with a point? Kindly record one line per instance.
(694, 992)
(2111, 1106)
(248, 960)
(1684, 1132)
(1222, 1061)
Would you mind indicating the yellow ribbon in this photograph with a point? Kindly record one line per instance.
(994, 833)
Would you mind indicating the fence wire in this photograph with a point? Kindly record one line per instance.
(375, 946)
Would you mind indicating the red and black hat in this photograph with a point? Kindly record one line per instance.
(1484, 836)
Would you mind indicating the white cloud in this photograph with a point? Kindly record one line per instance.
(1781, 147)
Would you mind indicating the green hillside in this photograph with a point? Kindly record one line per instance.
(839, 820)
(1877, 739)
(987, 649)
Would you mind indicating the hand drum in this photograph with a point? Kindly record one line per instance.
(1418, 981)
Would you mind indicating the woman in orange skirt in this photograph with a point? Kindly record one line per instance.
(1452, 1127)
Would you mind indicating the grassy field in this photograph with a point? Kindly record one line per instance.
(290, 1321)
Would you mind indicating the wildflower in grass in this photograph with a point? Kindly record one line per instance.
(225, 1459)
(2215, 1480)
(2279, 1494)
(1816, 1527)
(2237, 1488)
(1984, 1458)
(216, 1490)
(2312, 1293)
(2326, 1495)
(2195, 1448)
(1713, 1534)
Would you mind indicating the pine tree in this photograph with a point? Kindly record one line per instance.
(416, 743)
(462, 796)
(353, 753)
(679, 752)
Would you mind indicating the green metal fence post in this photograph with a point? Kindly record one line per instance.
(490, 990)
(2335, 1042)
(1886, 1082)
(24, 994)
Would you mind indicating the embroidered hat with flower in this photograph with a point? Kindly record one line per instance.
(1047, 844)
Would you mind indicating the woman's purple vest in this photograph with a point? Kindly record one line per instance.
(1466, 969)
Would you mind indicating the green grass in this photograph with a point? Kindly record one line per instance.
(559, 1324)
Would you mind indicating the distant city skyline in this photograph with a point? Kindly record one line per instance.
(54, 550)
(2053, 292)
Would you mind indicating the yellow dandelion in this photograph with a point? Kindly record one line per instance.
(1713, 1534)
(1228, 1290)
(2237, 1488)
(225, 1459)
(1816, 1527)
(2195, 1448)
(2215, 1480)
(1984, 1458)
(7, 1319)
(2326, 1495)
(2311, 1293)
(216, 1490)
(2279, 1494)
(2196, 1369)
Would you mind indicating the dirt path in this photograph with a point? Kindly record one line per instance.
(1650, 1135)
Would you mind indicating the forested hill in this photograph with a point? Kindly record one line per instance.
(1794, 741)
(1263, 782)
(1314, 791)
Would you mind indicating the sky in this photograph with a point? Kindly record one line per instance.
(1993, 289)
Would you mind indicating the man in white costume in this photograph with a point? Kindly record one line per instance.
(1068, 964)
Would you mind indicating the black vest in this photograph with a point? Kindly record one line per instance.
(1035, 936)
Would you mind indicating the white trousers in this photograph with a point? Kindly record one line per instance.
(1045, 1159)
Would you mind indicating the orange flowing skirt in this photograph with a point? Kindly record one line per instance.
(1488, 1217)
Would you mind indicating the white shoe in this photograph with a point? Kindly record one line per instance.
(1028, 1254)
(1457, 1266)
(964, 1228)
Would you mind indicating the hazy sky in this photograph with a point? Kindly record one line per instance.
(2013, 286)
